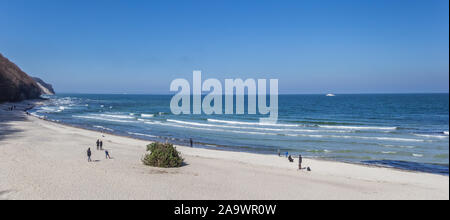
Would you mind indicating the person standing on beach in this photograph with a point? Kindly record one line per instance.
(279, 152)
(107, 154)
(191, 142)
(98, 144)
(101, 145)
(300, 160)
(89, 153)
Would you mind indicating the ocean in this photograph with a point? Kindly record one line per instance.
(405, 131)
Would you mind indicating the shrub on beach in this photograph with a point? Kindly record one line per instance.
(162, 155)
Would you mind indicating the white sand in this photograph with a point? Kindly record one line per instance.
(45, 160)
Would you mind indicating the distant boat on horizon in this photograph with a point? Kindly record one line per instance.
(330, 95)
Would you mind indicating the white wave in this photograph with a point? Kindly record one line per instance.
(393, 139)
(67, 101)
(359, 137)
(192, 124)
(388, 152)
(400, 146)
(132, 114)
(104, 128)
(431, 136)
(38, 116)
(417, 155)
(387, 139)
(307, 135)
(445, 132)
(101, 118)
(207, 129)
(139, 134)
(147, 115)
(117, 116)
(251, 123)
(102, 106)
(357, 127)
(247, 132)
(47, 109)
(281, 130)
(409, 147)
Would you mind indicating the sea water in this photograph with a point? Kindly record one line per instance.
(407, 131)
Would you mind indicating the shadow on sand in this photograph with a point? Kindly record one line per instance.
(6, 118)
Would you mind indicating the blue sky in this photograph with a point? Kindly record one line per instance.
(318, 46)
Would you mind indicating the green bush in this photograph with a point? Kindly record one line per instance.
(162, 155)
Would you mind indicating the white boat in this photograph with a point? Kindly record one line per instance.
(330, 95)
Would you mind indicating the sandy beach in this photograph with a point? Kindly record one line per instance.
(45, 160)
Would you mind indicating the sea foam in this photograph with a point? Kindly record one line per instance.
(117, 116)
(281, 130)
(251, 123)
(103, 128)
(431, 136)
(357, 127)
(140, 134)
(101, 118)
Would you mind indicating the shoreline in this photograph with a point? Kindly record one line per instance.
(210, 173)
(248, 152)
(231, 149)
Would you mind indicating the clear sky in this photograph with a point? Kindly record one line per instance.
(320, 46)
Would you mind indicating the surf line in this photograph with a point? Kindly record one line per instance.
(234, 93)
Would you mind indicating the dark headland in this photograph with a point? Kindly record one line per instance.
(16, 85)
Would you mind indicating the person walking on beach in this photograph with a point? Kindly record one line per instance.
(89, 153)
(98, 144)
(191, 142)
(279, 152)
(300, 160)
(101, 145)
(107, 154)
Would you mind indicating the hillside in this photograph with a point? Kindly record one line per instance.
(16, 85)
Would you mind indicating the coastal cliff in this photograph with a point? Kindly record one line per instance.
(47, 89)
(16, 85)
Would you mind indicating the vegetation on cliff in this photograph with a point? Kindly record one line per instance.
(16, 85)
